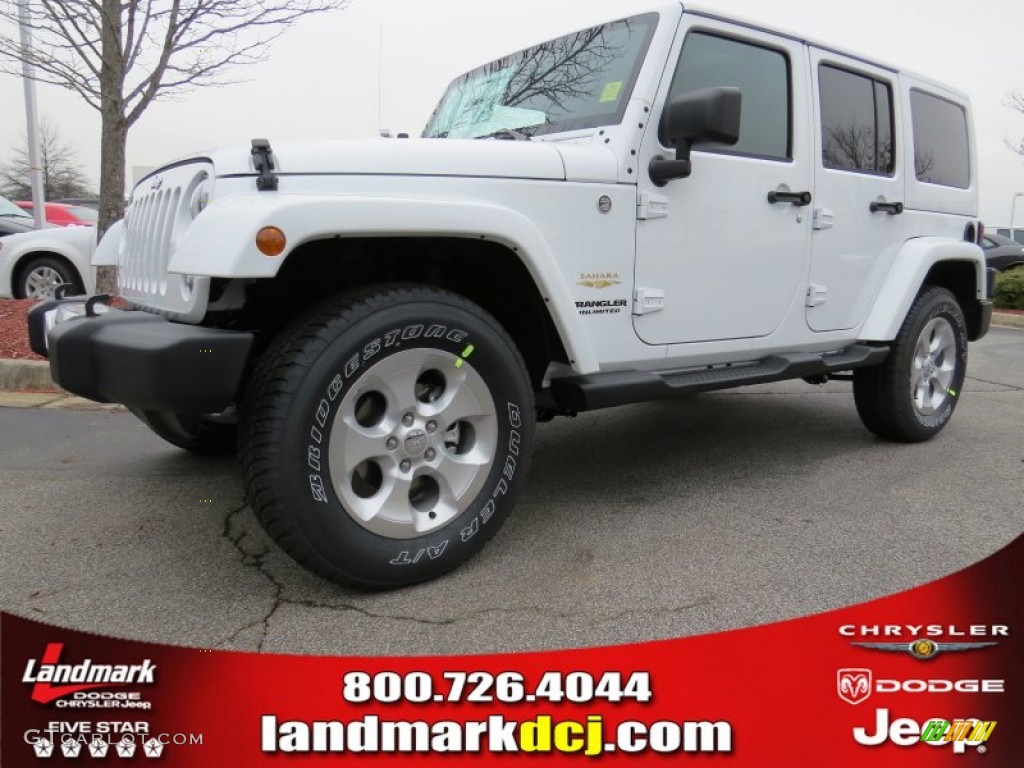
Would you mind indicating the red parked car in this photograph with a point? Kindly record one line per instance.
(63, 215)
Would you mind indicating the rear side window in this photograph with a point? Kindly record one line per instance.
(761, 74)
(940, 141)
(856, 122)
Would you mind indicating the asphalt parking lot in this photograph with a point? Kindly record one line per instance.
(649, 521)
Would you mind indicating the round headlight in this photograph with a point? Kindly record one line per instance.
(200, 198)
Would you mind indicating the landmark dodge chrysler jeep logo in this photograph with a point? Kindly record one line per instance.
(79, 677)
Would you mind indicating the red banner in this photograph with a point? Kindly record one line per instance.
(928, 677)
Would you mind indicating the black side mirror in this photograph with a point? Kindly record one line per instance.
(708, 114)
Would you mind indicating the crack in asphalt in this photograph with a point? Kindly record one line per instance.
(996, 383)
(258, 560)
(255, 560)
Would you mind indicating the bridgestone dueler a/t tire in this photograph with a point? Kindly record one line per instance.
(883, 393)
(292, 419)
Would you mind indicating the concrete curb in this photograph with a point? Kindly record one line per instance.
(18, 375)
(1006, 320)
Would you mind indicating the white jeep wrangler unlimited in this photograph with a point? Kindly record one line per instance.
(666, 204)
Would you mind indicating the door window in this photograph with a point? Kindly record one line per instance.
(761, 74)
(940, 141)
(856, 122)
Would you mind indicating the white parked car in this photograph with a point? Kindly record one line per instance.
(661, 205)
(33, 264)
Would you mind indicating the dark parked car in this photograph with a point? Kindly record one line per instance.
(1002, 253)
(14, 220)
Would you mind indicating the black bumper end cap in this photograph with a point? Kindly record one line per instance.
(148, 362)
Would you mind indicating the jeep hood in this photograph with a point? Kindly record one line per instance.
(494, 158)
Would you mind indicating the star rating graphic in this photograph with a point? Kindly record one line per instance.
(43, 748)
(126, 748)
(71, 748)
(153, 748)
(98, 747)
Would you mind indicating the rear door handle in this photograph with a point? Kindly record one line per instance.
(796, 198)
(893, 209)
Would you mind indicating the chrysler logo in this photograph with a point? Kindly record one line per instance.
(923, 648)
(853, 685)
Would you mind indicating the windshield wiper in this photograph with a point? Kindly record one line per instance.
(506, 133)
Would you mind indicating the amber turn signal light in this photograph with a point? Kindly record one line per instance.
(271, 241)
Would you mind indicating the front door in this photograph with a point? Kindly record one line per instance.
(728, 261)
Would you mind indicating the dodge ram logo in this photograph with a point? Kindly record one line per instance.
(853, 685)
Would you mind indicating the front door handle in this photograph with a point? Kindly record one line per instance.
(796, 198)
(893, 209)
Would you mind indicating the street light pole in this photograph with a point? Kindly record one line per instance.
(35, 171)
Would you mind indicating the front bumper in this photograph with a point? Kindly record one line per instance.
(138, 359)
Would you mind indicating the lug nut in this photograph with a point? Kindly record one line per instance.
(392, 443)
(431, 427)
(407, 419)
(405, 465)
(430, 454)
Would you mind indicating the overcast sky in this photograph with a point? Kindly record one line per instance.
(321, 79)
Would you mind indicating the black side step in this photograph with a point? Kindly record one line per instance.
(603, 390)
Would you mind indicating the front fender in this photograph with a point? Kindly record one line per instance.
(903, 283)
(221, 241)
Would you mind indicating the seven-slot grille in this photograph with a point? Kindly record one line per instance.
(149, 224)
(153, 226)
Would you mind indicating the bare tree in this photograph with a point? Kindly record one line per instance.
(62, 176)
(121, 55)
(1016, 101)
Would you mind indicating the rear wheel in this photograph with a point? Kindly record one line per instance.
(911, 396)
(385, 436)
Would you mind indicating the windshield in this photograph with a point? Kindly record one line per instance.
(582, 80)
(7, 208)
(85, 214)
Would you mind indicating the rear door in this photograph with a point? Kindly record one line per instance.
(858, 188)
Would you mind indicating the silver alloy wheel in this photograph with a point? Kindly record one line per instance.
(412, 443)
(933, 366)
(41, 283)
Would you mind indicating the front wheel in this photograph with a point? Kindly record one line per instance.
(911, 396)
(386, 434)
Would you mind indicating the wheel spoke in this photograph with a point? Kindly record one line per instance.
(391, 501)
(400, 389)
(457, 473)
(460, 401)
(360, 446)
